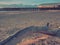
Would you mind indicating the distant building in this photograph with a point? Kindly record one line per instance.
(58, 5)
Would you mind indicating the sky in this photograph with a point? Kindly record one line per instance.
(28, 2)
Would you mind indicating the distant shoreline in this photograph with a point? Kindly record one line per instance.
(27, 9)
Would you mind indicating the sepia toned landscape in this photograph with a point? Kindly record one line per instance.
(29, 22)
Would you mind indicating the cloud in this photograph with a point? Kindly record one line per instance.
(6, 0)
(11, 2)
(33, 2)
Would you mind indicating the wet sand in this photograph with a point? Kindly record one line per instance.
(13, 21)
